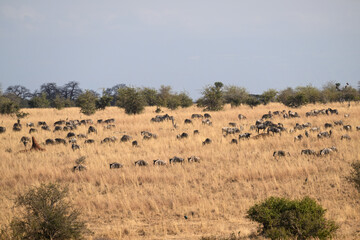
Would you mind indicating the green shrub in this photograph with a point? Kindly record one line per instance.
(87, 102)
(355, 175)
(46, 215)
(281, 218)
(131, 100)
(7, 106)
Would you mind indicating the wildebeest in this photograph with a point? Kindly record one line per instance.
(308, 152)
(161, 118)
(109, 126)
(134, 143)
(244, 135)
(45, 127)
(324, 134)
(109, 139)
(2, 129)
(176, 159)
(338, 123)
(60, 140)
(81, 135)
(293, 114)
(183, 135)
(187, 121)
(92, 129)
(141, 163)
(75, 147)
(110, 120)
(346, 137)
(79, 168)
(357, 128)
(298, 138)
(230, 130)
(17, 126)
(115, 165)
(60, 122)
(274, 130)
(193, 159)
(327, 151)
(159, 162)
(58, 128)
(25, 140)
(314, 129)
(206, 115)
(280, 153)
(240, 116)
(196, 132)
(49, 141)
(125, 138)
(232, 124)
(148, 135)
(347, 127)
(87, 141)
(234, 141)
(328, 125)
(207, 141)
(41, 123)
(195, 115)
(32, 130)
(73, 140)
(331, 111)
(70, 135)
(99, 121)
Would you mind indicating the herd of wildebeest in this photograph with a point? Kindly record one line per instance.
(263, 127)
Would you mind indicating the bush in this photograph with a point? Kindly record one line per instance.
(281, 218)
(213, 99)
(8, 107)
(46, 215)
(87, 102)
(131, 99)
(355, 175)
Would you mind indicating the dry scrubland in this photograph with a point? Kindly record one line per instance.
(150, 202)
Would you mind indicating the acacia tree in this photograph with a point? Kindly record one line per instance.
(87, 102)
(213, 99)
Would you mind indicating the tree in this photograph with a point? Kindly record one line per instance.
(252, 101)
(104, 101)
(39, 101)
(235, 95)
(50, 90)
(281, 218)
(59, 102)
(268, 96)
(131, 100)
(19, 91)
(150, 96)
(185, 100)
(113, 92)
(164, 95)
(7, 106)
(212, 99)
(46, 215)
(87, 102)
(71, 91)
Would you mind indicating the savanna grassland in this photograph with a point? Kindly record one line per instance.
(151, 202)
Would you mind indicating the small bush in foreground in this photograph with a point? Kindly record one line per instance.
(46, 215)
(281, 218)
(355, 175)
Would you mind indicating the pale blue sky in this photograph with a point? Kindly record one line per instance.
(187, 44)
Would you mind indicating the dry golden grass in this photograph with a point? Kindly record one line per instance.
(150, 202)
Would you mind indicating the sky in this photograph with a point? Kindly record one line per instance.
(186, 44)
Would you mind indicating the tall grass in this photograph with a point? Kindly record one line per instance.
(151, 202)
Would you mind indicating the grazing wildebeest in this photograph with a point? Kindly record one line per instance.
(347, 127)
(141, 163)
(207, 122)
(72, 140)
(328, 125)
(125, 138)
(110, 126)
(293, 114)
(298, 138)
(60, 122)
(357, 128)
(30, 124)
(115, 165)
(234, 141)
(135, 143)
(60, 140)
(148, 135)
(161, 118)
(58, 128)
(230, 130)
(346, 137)
(280, 153)
(327, 151)
(332, 111)
(207, 141)
(49, 141)
(232, 124)
(183, 135)
(306, 133)
(32, 130)
(196, 132)
(75, 147)
(17, 126)
(195, 115)
(274, 130)
(2, 129)
(92, 130)
(314, 129)
(187, 121)
(79, 168)
(109, 139)
(70, 135)
(87, 141)
(176, 160)
(41, 123)
(45, 127)
(193, 159)
(324, 134)
(81, 135)
(338, 123)
(159, 162)
(25, 140)
(110, 120)
(308, 152)
(244, 135)
(99, 121)
(206, 115)
(240, 116)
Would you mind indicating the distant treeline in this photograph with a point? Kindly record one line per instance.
(213, 97)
